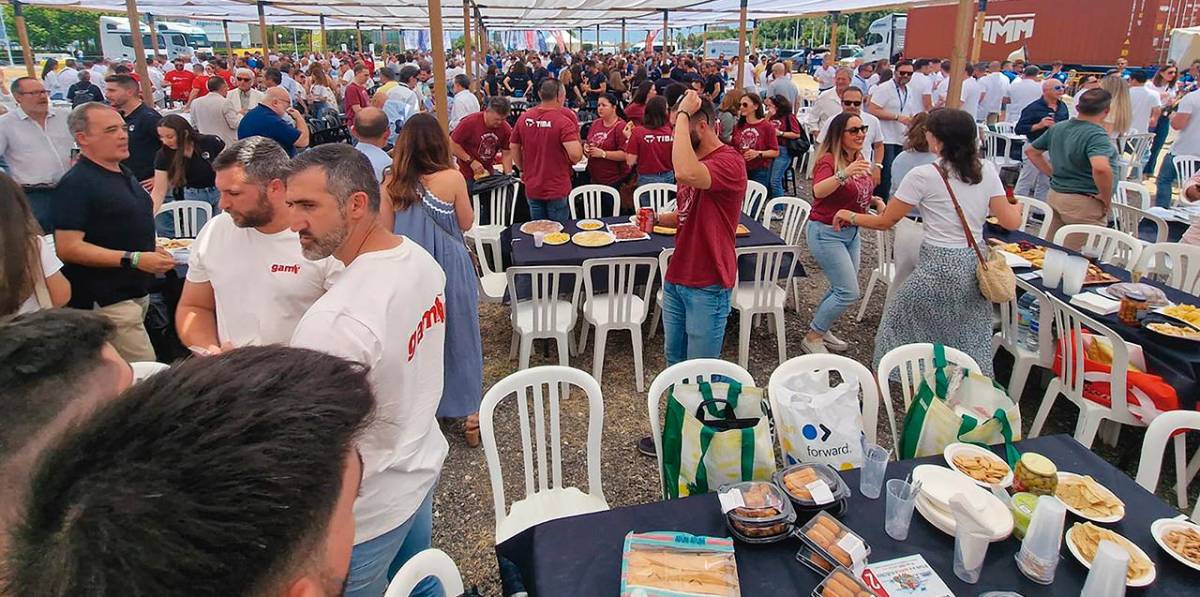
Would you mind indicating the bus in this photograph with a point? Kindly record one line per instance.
(116, 42)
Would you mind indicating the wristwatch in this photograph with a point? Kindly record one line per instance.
(841, 176)
(127, 260)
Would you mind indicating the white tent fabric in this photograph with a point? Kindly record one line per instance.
(1185, 45)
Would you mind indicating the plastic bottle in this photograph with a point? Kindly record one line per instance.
(1023, 303)
(1034, 326)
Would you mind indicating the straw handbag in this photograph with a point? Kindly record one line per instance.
(997, 283)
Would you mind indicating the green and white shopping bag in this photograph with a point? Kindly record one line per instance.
(715, 433)
(960, 406)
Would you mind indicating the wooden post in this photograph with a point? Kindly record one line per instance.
(324, 39)
(754, 37)
(312, 42)
(153, 34)
(833, 31)
(228, 44)
(139, 50)
(440, 103)
(597, 37)
(358, 34)
(622, 34)
(739, 80)
(483, 41)
(705, 34)
(23, 35)
(958, 52)
(977, 42)
(262, 28)
(468, 63)
(664, 38)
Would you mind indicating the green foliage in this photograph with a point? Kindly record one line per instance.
(814, 31)
(54, 29)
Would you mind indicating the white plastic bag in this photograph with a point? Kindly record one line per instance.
(820, 424)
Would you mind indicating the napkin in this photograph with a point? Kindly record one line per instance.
(1095, 303)
(1015, 260)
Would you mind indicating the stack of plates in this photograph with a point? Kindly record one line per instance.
(940, 484)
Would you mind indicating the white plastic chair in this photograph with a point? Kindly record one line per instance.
(791, 230)
(189, 216)
(915, 362)
(1134, 151)
(546, 497)
(430, 562)
(1115, 247)
(1009, 338)
(1029, 206)
(1155, 445)
(544, 314)
(848, 368)
(593, 197)
(1069, 324)
(1177, 264)
(1186, 166)
(659, 196)
(885, 268)
(144, 369)
(761, 295)
(996, 149)
(1127, 218)
(1134, 194)
(492, 281)
(755, 200)
(693, 371)
(502, 202)
(664, 258)
(619, 308)
(1005, 127)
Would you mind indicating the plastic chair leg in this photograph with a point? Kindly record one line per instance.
(583, 335)
(1086, 428)
(639, 372)
(1044, 410)
(1020, 374)
(598, 353)
(512, 351)
(526, 349)
(654, 322)
(1181, 476)
(780, 334)
(563, 340)
(862, 308)
(743, 338)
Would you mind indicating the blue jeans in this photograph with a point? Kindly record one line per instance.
(549, 209)
(373, 563)
(694, 321)
(1166, 181)
(778, 169)
(1160, 138)
(761, 176)
(667, 177)
(838, 255)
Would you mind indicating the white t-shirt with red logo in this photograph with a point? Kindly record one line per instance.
(261, 282)
(387, 311)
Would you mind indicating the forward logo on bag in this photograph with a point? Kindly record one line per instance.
(810, 432)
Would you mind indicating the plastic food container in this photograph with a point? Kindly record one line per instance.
(833, 541)
(814, 561)
(1022, 506)
(813, 488)
(757, 512)
(842, 583)
(1035, 474)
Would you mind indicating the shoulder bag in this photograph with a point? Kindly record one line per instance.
(997, 283)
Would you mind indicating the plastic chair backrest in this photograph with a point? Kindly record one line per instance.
(1114, 246)
(664, 259)
(430, 562)
(771, 265)
(621, 275)
(546, 286)
(1069, 325)
(502, 202)
(143, 369)
(189, 216)
(1161, 429)
(1186, 166)
(692, 371)
(1133, 194)
(593, 197)
(541, 447)
(1005, 127)
(755, 200)
(1178, 265)
(1137, 145)
(825, 363)
(1127, 218)
(885, 249)
(795, 216)
(1030, 205)
(915, 362)
(658, 196)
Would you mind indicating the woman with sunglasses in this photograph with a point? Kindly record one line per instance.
(754, 136)
(1166, 84)
(940, 301)
(842, 182)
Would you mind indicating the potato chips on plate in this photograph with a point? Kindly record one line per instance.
(1086, 498)
(1084, 539)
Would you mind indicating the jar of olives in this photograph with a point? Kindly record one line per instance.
(1035, 474)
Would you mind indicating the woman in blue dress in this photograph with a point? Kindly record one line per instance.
(431, 207)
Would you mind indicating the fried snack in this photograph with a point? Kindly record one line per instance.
(840, 584)
(589, 224)
(1089, 497)
(825, 533)
(981, 468)
(174, 243)
(1175, 331)
(544, 226)
(556, 238)
(1186, 313)
(1087, 538)
(742, 230)
(692, 573)
(664, 230)
(1185, 543)
(1095, 275)
(795, 483)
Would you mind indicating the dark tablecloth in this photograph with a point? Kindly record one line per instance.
(581, 555)
(1177, 361)
(1148, 231)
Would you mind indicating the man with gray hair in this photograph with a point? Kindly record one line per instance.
(244, 97)
(782, 84)
(464, 101)
(386, 311)
(35, 144)
(247, 283)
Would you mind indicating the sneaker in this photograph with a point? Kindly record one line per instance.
(817, 347)
(834, 343)
(646, 446)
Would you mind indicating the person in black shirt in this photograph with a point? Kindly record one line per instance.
(714, 85)
(539, 74)
(105, 230)
(184, 166)
(491, 82)
(123, 93)
(518, 83)
(597, 84)
(83, 91)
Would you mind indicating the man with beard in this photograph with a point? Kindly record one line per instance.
(247, 283)
(386, 311)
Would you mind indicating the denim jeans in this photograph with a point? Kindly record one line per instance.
(838, 255)
(667, 177)
(885, 179)
(778, 170)
(694, 321)
(40, 202)
(549, 209)
(1166, 181)
(1160, 138)
(373, 563)
(761, 176)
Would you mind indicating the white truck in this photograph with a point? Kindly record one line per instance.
(885, 37)
(116, 41)
(193, 36)
(717, 47)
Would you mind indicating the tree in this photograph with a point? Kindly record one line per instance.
(54, 29)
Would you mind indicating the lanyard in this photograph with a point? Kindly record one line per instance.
(903, 99)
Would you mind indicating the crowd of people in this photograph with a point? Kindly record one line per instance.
(332, 294)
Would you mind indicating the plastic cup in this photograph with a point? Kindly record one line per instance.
(538, 239)
(1107, 576)
(1038, 556)
(899, 509)
(874, 466)
(1052, 268)
(1073, 275)
(970, 550)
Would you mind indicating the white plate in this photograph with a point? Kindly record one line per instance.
(939, 484)
(1162, 526)
(944, 520)
(1105, 519)
(597, 223)
(957, 449)
(1141, 581)
(556, 228)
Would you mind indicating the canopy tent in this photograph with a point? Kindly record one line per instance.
(1185, 45)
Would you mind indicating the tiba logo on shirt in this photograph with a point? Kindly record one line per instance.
(434, 315)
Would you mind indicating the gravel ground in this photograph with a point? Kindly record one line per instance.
(463, 512)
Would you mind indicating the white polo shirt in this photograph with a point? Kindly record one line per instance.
(1142, 103)
(995, 86)
(897, 101)
(36, 155)
(1021, 93)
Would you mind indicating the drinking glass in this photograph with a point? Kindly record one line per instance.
(1073, 275)
(899, 509)
(874, 466)
(1052, 268)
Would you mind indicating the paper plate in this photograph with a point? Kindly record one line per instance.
(944, 520)
(589, 224)
(957, 449)
(1162, 526)
(1141, 581)
(939, 484)
(546, 226)
(1101, 519)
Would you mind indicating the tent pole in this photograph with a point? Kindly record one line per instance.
(483, 41)
(833, 32)
(740, 75)
(622, 34)
(23, 35)
(358, 34)
(228, 44)
(153, 34)
(958, 53)
(324, 41)
(977, 43)
(664, 37)
(139, 50)
(468, 64)
(705, 50)
(295, 44)
(597, 37)
(262, 28)
(439, 64)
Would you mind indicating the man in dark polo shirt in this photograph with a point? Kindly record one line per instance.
(124, 94)
(276, 119)
(105, 233)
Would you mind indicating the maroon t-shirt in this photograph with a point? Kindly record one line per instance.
(480, 142)
(355, 96)
(652, 148)
(635, 112)
(759, 136)
(854, 194)
(541, 133)
(708, 219)
(789, 125)
(609, 139)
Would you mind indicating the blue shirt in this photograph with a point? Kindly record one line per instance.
(263, 121)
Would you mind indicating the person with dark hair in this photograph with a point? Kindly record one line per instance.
(481, 140)
(372, 131)
(405, 91)
(463, 102)
(491, 82)
(545, 144)
(1082, 166)
(31, 279)
(35, 145)
(1167, 85)
(789, 133)
(387, 310)
(943, 287)
(204, 476)
(518, 82)
(754, 137)
(916, 151)
(355, 97)
(183, 165)
(141, 122)
(427, 199)
(605, 145)
(214, 114)
(637, 108)
(714, 84)
(893, 102)
(1024, 90)
(649, 145)
(1145, 104)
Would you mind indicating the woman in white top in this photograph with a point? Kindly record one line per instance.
(27, 261)
(50, 79)
(940, 302)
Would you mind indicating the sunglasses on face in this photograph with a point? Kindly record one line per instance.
(857, 130)
(747, 105)
(243, 79)
(851, 104)
(904, 73)
(1058, 88)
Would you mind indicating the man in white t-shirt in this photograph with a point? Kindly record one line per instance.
(829, 102)
(995, 89)
(386, 311)
(1186, 143)
(972, 92)
(893, 104)
(1022, 92)
(921, 84)
(1145, 104)
(247, 283)
(825, 73)
(852, 102)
